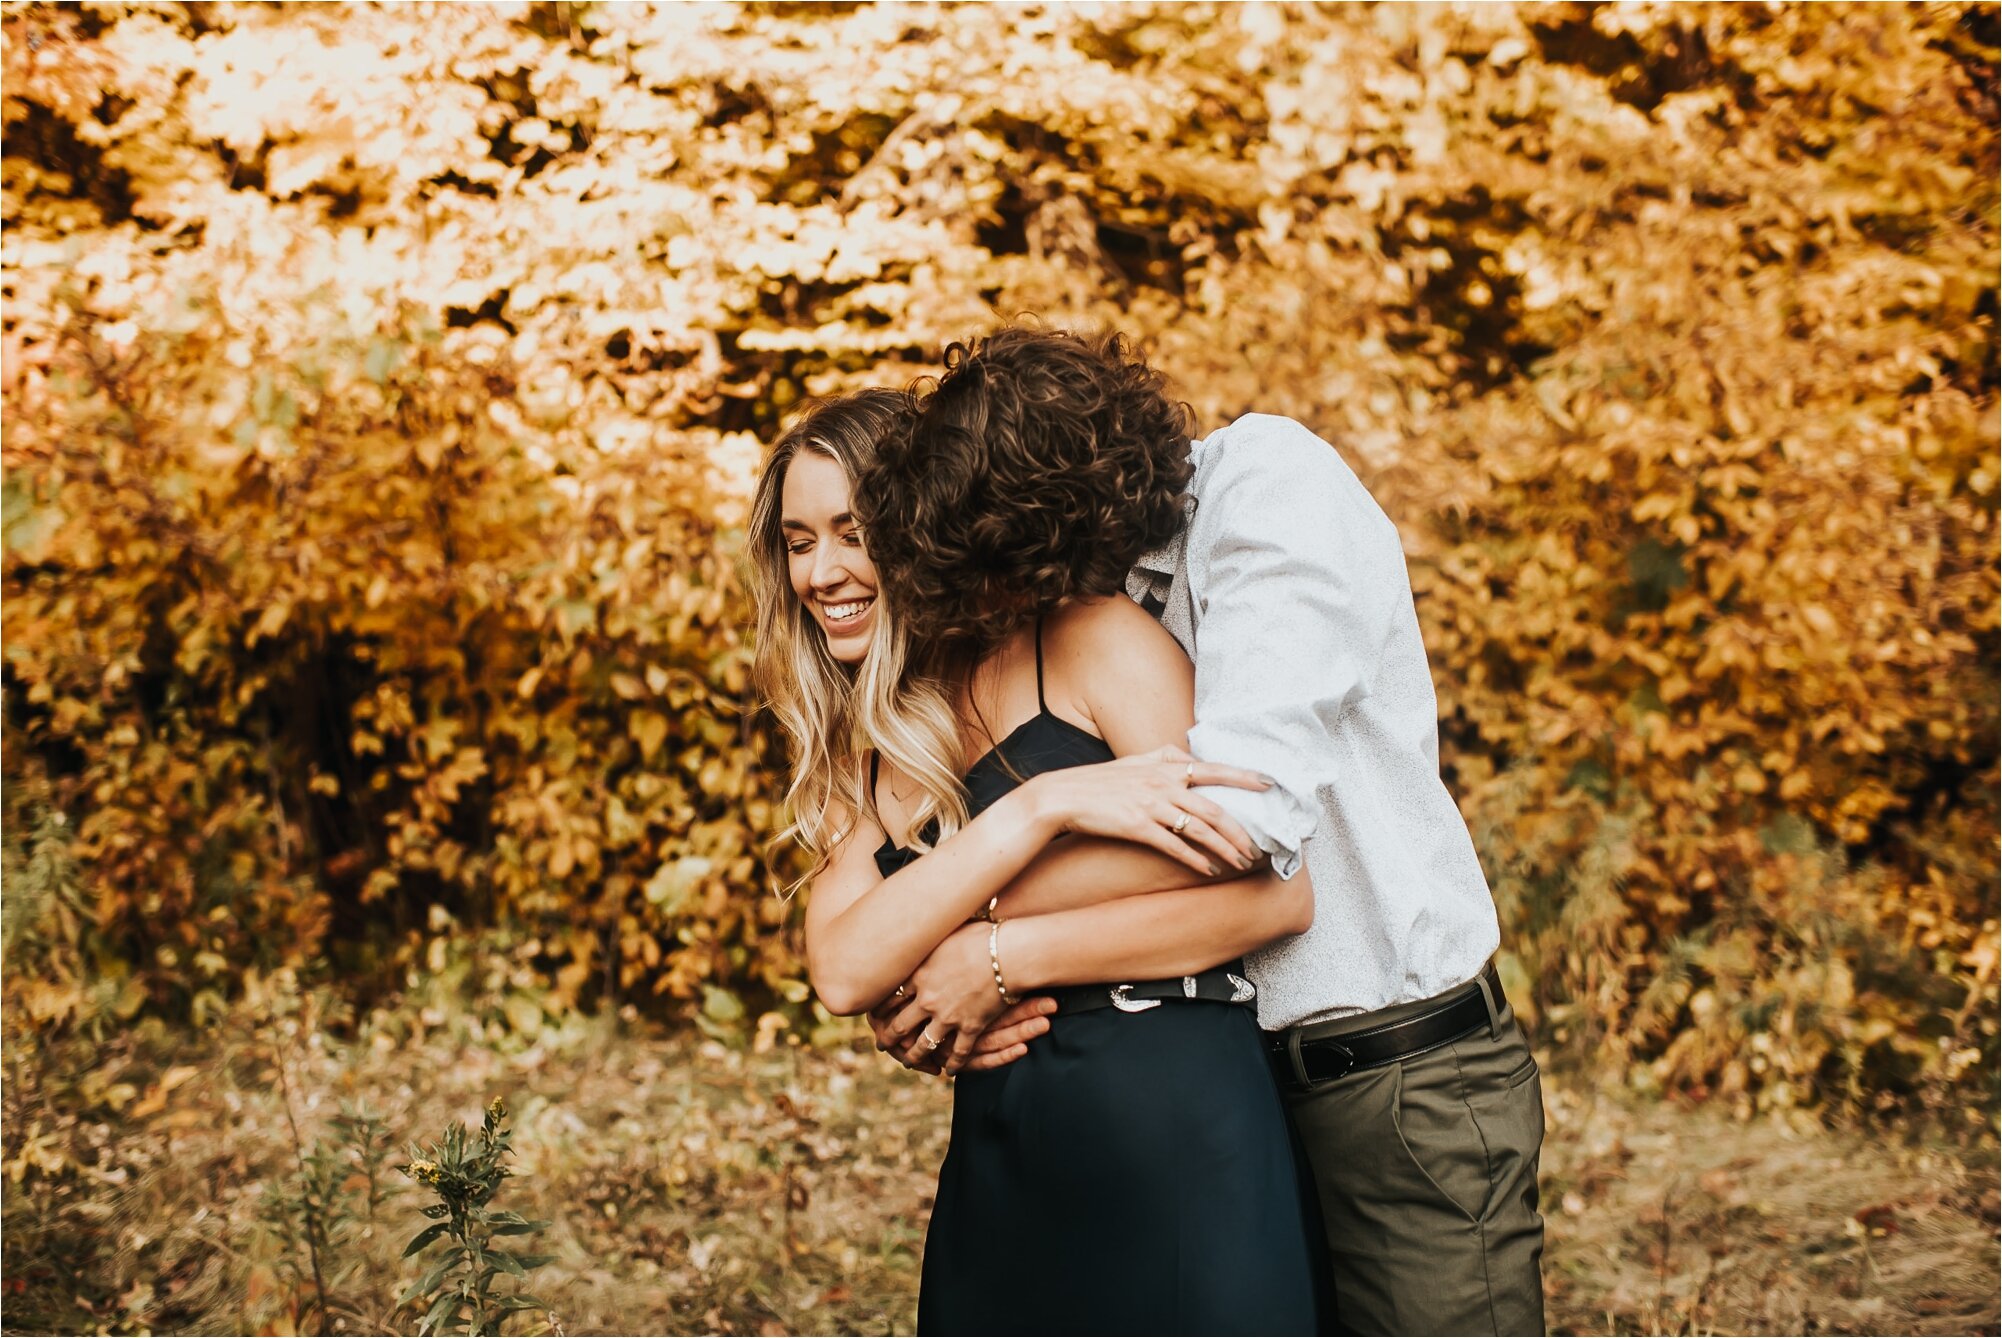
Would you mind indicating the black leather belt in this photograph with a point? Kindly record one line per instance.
(1218, 985)
(1326, 1058)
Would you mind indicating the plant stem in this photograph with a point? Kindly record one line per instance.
(299, 1156)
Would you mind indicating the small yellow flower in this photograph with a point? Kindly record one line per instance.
(424, 1170)
(496, 1108)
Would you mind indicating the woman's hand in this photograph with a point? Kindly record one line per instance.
(948, 1007)
(1149, 799)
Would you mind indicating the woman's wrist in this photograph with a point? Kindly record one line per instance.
(1029, 806)
(1023, 950)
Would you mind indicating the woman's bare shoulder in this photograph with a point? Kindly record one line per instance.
(1101, 640)
(1112, 619)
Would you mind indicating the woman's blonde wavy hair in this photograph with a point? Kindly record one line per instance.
(836, 714)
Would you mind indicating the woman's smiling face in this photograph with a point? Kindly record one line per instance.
(831, 572)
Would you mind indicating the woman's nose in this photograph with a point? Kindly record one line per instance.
(830, 567)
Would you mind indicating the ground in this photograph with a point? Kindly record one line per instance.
(697, 1187)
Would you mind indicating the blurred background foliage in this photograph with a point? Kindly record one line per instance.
(384, 386)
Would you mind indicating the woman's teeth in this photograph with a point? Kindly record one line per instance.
(846, 613)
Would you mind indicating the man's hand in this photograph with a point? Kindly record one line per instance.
(1007, 1037)
(1149, 798)
(1005, 1040)
(949, 1016)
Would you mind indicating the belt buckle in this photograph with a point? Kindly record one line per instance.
(1345, 1066)
(1123, 1000)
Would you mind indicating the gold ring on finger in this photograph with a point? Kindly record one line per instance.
(1189, 776)
(1180, 823)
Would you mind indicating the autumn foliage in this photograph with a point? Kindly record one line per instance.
(383, 386)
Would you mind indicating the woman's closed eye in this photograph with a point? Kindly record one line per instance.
(853, 539)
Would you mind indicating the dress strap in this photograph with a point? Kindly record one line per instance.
(1041, 705)
(875, 770)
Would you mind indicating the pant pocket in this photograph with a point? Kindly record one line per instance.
(1509, 1115)
(1439, 1136)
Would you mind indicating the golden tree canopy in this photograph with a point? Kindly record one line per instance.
(384, 385)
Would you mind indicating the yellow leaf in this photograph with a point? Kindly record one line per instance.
(673, 883)
(648, 729)
(523, 1015)
(270, 622)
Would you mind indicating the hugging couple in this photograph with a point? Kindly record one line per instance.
(1116, 757)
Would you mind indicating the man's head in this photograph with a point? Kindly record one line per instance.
(1036, 470)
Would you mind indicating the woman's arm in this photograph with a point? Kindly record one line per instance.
(865, 933)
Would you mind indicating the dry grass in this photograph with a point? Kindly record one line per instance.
(1675, 1220)
(699, 1188)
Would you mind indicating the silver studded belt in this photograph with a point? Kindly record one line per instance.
(1218, 985)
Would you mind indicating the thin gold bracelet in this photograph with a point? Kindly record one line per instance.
(994, 956)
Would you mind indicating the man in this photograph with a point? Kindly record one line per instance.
(1407, 1078)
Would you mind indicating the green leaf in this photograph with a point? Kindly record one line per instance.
(574, 615)
(518, 1228)
(719, 1005)
(1657, 571)
(523, 1015)
(1789, 833)
(382, 359)
(25, 520)
(438, 1271)
(676, 881)
(445, 1307)
(425, 1237)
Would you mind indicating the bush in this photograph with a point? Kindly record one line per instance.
(380, 390)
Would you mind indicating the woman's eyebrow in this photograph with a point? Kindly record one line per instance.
(795, 525)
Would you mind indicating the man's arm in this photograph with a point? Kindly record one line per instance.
(1084, 871)
(1172, 933)
(1175, 933)
(1296, 571)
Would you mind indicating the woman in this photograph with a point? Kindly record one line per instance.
(1132, 1171)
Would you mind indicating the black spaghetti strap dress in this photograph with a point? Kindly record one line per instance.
(1133, 1173)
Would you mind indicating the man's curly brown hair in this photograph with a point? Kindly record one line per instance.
(1036, 470)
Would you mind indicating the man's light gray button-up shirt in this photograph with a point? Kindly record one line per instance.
(1288, 589)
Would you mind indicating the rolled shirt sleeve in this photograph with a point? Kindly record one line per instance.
(1291, 617)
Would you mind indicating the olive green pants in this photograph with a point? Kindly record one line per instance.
(1427, 1177)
